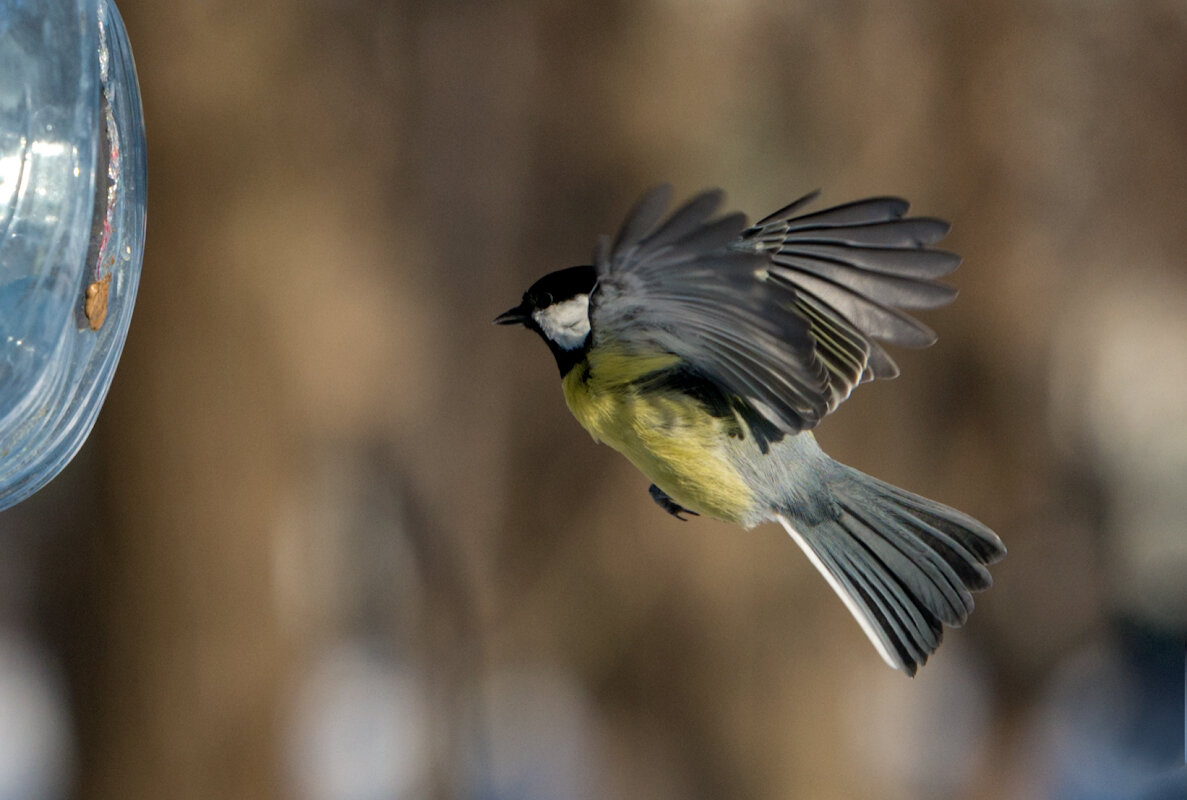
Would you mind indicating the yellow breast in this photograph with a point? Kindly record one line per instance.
(666, 434)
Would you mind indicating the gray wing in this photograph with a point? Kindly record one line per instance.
(851, 267)
(780, 316)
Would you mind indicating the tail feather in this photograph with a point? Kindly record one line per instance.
(904, 565)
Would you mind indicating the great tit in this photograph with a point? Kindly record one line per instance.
(705, 349)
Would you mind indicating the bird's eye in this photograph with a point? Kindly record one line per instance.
(548, 300)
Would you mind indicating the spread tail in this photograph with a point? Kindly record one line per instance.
(904, 565)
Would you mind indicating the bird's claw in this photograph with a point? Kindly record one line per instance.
(668, 504)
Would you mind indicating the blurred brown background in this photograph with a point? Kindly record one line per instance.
(337, 537)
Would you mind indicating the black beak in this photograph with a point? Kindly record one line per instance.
(514, 316)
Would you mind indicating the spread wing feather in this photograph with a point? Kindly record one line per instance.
(782, 314)
(862, 261)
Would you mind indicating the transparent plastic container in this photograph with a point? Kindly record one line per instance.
(72, 209)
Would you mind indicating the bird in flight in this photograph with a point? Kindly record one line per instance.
(705, 349)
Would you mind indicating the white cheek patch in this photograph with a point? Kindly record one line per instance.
(566, 323)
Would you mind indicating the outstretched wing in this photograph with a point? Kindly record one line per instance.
(780, 315)
(851, 267)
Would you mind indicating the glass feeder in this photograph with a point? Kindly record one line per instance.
(72, 208)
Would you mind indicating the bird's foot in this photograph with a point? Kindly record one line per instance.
(669, 505)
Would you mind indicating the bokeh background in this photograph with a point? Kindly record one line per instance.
(336, 537)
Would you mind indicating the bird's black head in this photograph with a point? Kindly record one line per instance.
(557, 308)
